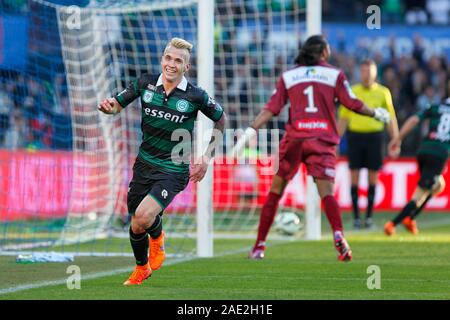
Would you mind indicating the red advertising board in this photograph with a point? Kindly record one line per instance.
(397, 181)
(51, 184)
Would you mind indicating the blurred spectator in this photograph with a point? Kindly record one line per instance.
(15, 137)
(392, 10)
(14, 6)
(418, 50)
(6, 105)
(428, 97)
(439, 11)
(415, 12)
(34, 141)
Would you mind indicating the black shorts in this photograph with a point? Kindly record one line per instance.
(160, 185)
(430, 168)
(365, 150)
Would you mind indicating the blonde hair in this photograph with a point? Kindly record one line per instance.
(180, 44)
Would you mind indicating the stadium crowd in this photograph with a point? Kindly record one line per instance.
(33, 114)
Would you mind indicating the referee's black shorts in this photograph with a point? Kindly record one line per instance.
(365, 150)
(430, 168)
(160, 185)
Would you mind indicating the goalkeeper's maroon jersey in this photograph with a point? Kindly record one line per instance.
(313, 92)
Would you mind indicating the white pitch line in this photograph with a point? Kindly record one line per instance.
(99, 275)
(60, 281)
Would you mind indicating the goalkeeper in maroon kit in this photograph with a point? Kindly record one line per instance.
(312, 87)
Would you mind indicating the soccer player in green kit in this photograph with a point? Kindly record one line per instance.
(169, 102)
(432, 157)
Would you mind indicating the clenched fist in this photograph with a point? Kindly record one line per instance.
(109, 106)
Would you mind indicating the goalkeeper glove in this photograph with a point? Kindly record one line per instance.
(249, 133)
(382, 115)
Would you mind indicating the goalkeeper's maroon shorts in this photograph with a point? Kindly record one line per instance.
(318, 156)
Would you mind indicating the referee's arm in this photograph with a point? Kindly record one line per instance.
(392, 127)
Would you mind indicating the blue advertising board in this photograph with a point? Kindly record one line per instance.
(435, 39)
(13, 42)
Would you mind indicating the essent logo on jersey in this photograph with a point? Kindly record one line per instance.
(160, 114)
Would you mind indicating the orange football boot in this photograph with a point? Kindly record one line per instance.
(389, 228)
(139, 274)
(157, 254)
(410, 225)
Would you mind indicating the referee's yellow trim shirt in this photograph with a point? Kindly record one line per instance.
(375, 96)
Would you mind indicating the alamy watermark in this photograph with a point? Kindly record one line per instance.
(374, 19)
(73, 20)
(259, 149)
(374, 280)
(74, 280)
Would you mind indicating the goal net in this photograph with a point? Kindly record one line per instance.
(71, 196)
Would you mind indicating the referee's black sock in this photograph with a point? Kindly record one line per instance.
(416, 212)
(406, 211)
(156, 228)
(370, 200)
(354, 194)
(139, 243)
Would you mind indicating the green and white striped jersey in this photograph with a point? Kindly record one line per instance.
(437, 140)
(162, 114)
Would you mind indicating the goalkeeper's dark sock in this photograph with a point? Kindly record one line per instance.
(268, 213)
(416, 212)
(156, 228)
(333, 213)
(406, 211)
(139, 243)
(370, 200)
(354, 194)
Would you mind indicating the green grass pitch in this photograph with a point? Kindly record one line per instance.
(412, 267)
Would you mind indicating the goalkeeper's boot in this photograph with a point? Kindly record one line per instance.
(257, 252)
(139, 274)
(389, 228)
(410, 225)
(157, 253)
(342, 247)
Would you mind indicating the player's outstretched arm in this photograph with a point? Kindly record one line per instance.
(395, 143)
(342, 126)
(261, 119)
(380, 114)
(110, 106)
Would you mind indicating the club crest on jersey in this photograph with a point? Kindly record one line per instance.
(148, 96)
(182, 105)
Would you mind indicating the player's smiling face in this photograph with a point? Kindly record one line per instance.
(174, 64)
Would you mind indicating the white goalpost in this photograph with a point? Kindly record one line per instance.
(205, 79)
(312, 206)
